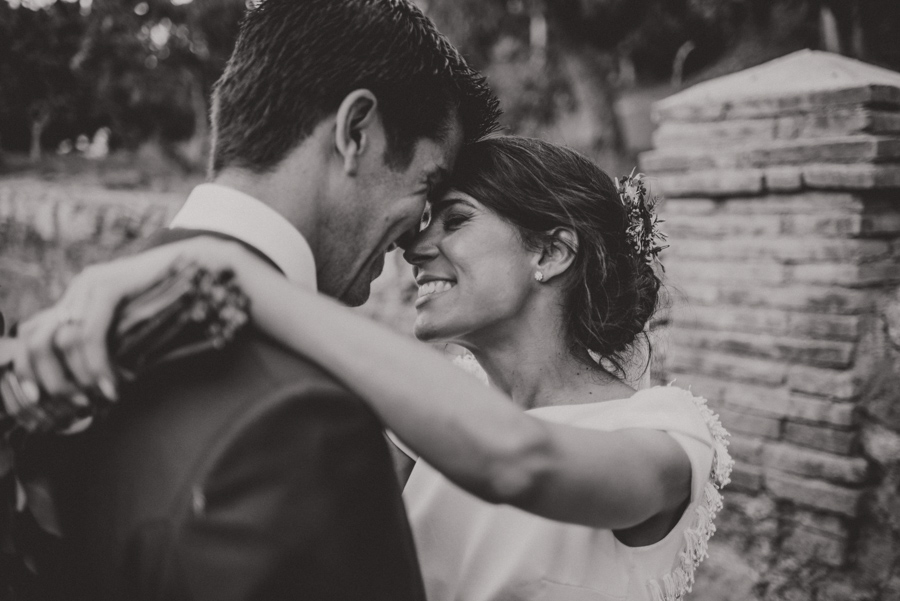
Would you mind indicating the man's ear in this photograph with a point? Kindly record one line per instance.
(356, 116)
(558, 252)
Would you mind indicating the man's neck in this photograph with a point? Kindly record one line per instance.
(271, 189)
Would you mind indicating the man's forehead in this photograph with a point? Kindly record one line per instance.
(437, 176)
(440, 155)
(454, 139)
(443, 149)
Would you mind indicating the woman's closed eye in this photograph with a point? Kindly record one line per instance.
(452, 220)
(451, 213)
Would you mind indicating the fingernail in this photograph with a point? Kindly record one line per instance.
(108, 389)
(31, 390)
(80, 400)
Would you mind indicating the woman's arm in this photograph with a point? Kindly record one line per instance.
(476, 436)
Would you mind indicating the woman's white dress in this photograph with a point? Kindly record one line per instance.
(471, 550)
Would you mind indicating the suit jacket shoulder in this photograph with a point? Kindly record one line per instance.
(251, 474)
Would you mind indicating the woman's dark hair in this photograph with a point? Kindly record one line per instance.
(296, 60)
(610, 292)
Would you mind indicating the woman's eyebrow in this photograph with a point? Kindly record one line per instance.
(445, 203)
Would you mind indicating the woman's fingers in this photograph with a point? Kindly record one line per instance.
(15, 398)
(97, 305)
(22, 385)
(63, 350)
(50, 375)
(92, 353)
(7, 356)
(67, 346)
(88, 307)
(38, 335)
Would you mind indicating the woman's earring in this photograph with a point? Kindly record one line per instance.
(539, 276)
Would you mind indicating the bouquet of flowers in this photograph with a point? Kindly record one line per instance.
(188, 312)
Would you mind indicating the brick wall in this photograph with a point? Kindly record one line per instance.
(783, 213)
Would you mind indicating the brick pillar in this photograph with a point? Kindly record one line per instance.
(783, 212)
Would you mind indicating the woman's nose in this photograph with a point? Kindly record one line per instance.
(422, 248)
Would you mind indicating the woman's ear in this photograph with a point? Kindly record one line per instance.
(356, 116)
(558, 252)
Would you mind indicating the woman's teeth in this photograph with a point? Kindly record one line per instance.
(435, 287)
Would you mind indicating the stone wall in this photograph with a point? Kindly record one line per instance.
(783, 213)
(50, 231)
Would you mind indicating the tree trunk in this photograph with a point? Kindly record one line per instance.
(828, 31)
(37, 130)
(38, 124)
(194, 152)
(590, 75)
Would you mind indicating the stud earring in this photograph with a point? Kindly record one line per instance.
(539, 276)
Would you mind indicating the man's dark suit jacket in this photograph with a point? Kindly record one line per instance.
(249, 475)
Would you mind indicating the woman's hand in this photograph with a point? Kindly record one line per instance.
(61, 353)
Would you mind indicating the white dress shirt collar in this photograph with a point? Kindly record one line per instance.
(225, 210)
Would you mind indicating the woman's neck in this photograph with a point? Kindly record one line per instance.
(535, 367)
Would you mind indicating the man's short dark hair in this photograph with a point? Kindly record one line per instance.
(296, 60)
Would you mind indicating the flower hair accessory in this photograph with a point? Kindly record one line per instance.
(643, 224)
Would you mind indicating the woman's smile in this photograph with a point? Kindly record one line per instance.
(432, 288)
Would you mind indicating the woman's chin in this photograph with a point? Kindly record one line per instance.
(428, 331)
(425, 334)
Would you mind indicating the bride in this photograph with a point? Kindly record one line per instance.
(558, 481)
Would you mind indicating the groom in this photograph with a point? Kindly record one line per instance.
(256, 475)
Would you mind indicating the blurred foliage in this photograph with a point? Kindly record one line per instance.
(145, 68)
(152, 63)
(36, 81)
(560, 66)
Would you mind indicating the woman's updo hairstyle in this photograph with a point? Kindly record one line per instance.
(610, 292)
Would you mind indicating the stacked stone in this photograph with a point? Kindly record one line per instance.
(782, 186)
(49, 232)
